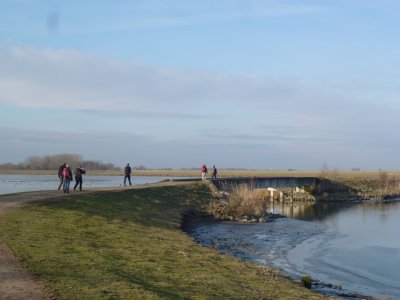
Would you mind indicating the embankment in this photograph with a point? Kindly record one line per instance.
(128, 244)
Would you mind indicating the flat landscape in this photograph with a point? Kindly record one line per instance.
(129, 244)
(340, 174)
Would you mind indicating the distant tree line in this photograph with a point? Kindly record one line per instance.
(51, 162)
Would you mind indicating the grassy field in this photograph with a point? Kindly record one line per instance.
(129, 245)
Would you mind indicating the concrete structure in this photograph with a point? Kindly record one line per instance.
(272, 191)
(270, 183)
(226, 184)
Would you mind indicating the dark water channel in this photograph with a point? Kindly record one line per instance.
(345, 248)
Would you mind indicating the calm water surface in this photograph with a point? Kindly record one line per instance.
(26, 183)
(353, 248)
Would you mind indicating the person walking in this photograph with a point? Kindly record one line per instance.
(127, 172)
(78, 177)
(60, 174)
(204, 172)
(67, 175)
(214, 173)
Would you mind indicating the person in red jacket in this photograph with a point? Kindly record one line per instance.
(67, 176)
(204, 172)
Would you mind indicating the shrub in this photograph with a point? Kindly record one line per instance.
(306, 280)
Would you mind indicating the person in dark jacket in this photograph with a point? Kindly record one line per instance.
(60, 174)
(127, 172)
(67, 175)
(78, 177)
(214, 173)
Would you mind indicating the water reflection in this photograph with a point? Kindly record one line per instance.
(306, 211)
(355, 246)
(360, 250)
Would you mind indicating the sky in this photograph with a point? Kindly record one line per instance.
(260, 84)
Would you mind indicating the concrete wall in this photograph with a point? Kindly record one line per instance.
(257, 183)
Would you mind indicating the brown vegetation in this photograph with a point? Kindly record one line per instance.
(341, 186)
(240, 202)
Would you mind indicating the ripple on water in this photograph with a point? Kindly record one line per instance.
(297, 248)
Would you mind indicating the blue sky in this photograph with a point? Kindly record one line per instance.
(249, 84)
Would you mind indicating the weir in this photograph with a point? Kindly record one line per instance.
(272, 184)
(225, 184)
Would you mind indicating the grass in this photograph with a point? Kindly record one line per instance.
(129, 245)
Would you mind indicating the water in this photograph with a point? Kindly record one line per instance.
(360, 250)
(347, 249)
(26, 183)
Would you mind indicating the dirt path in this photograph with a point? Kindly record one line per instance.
(15, 281)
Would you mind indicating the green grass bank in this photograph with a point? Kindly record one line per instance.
(129, 245)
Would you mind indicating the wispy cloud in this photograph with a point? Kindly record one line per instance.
(217, 13)
(199, 109)
(146, 114)
(60, 79)
(138, 15)
(98, 145)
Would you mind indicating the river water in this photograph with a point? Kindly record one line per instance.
(345, 248)
(26, 183)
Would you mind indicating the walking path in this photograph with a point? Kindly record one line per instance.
(15, 281)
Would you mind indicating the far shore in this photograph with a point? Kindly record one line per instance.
(338, 174)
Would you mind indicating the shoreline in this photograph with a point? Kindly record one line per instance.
(223, 173)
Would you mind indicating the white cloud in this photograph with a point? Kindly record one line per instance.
(56, 78)
(60, 79)
(249, 115)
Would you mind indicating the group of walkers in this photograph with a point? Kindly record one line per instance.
(204, 172)
(65, 176)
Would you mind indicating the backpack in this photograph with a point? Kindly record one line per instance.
(65, 173)
(127, 170)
